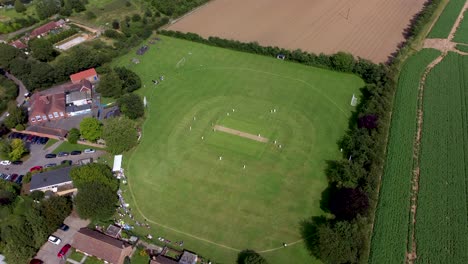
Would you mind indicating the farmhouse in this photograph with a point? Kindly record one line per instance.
(89, 74)
(43, 30)
(104, 247)
(51, 180)
(72, 100)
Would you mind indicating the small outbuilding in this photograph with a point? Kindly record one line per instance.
(51, 180)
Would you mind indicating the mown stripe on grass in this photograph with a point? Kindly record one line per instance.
(389, 241)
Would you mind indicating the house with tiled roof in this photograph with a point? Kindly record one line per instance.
(89, 74)
(43, 30)
(101, 246)
(18, 44)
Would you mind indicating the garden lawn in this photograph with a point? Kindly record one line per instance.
(189, 182)
(389, 240)
(442, 215)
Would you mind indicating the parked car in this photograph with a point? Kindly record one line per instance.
(2, 176)
(5, 162)
(36, 261)
(63, 154)
(49, 165)
(17, 162)
(87, 151)
(7, 177)
(13, 177)
(54, 240)
(44, 140)
(63, 251)
(50, 156)
(19, 180)
(34, 139)
(35, 168)
(24, 136)
(29, 138)
(64, 227)
(66, 162)
(75, 152)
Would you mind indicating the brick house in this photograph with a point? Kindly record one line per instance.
(72, 100)
(99, 245)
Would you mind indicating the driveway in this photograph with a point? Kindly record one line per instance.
(37, 158)
(48, 252)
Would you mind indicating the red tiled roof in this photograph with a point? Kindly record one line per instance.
(83, 75)
(44, 29)
(102, 246)
(18, 44)
(47, 104)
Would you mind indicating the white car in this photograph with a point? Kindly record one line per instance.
(89, 151)
(5, 162)
(54, 240)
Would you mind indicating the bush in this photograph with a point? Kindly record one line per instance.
(62, 35)
(19, 127)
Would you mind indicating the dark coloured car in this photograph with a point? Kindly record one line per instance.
(66, 162)
(19, 180)
(37, 140)
(34, 139)
(63, 154)
(36, 261)
(24, 136)
(14, 177)
(17, 162)
(63, 251)
(50, 165)
(50, 156)
(75, 152)
(64, 227)
(29, 138)
(44, 140)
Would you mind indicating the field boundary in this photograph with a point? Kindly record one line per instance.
(239, 133)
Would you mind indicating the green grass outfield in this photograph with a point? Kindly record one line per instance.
(215, 206)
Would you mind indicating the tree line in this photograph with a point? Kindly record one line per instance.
(343, 235)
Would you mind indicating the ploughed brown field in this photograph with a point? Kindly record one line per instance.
(370, 29)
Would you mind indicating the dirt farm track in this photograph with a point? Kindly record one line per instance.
(370, 29)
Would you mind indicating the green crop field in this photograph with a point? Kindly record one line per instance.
(190, 182)
(447, 19)
(392, 215)
(441, 219)
(461, 47)
(461, 35)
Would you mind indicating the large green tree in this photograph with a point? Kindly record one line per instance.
(120, 134)
(131, 81)
(96, 201)
(131, 105)
(19, 6)
(90, 129)
(42, 49)
(55, 210)
(94, 173)
(110, 85)
(47, 8)
(17, 149)
(17, 115)
(249, 256)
